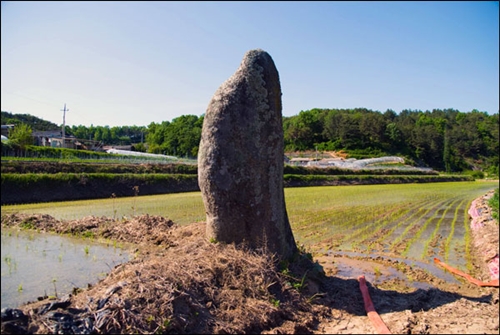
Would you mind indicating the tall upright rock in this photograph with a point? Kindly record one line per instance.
(240, 159)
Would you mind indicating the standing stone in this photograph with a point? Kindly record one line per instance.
(240, 159)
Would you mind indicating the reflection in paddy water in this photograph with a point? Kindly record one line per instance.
(37, 264)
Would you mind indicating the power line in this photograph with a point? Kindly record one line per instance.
(29, 98)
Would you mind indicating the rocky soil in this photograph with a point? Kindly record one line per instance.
(178, 282)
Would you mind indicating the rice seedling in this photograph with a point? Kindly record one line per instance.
(436, 229)
(421, 214)
(397, 221)
(452, 231)
(134, 198)
(467, 239)
(11, 264)
(88, 234)
(113, 196)
(420, 230)
(369, 228)
(55, 288)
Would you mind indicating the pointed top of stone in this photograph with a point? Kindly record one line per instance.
(257, 72)
(256, 55)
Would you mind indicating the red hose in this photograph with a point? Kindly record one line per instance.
(377, 322)
(492, 283)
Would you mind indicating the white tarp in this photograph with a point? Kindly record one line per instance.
(352, 163)
(137, 153)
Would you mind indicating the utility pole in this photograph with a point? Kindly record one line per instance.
(64, 126)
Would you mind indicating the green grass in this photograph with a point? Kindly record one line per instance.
(493, 202)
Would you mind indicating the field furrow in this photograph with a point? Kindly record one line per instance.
(416, 243)
(374, 234)
(381, 238)
(431, 243)
(399, 244)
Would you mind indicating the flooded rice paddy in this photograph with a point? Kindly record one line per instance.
(44, 264)
(411, 223)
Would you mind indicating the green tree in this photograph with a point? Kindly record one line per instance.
(34, 122)
(180, 137)
(372, 128)
(343, 126)
(447, 153)
(21, 135)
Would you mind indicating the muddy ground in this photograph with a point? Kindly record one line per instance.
(178, 282)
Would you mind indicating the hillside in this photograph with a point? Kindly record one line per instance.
(34, 122)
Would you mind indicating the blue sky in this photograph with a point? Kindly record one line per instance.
(133, 63)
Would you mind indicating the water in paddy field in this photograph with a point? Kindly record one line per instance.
(354, 272)
(43, 264)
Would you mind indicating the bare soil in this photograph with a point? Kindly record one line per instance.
(179, 282)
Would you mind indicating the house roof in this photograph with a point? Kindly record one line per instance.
(301, 159)
(47, 133)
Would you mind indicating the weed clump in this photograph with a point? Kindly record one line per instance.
(493, 203)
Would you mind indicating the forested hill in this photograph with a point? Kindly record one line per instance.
(446, 140)
(34, 122)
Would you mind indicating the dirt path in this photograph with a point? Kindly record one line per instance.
(181, 283)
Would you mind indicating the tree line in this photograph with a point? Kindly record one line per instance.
(446, 140)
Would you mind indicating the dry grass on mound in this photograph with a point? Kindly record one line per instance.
(179, 283)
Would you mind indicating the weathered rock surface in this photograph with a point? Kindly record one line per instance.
(240, 160)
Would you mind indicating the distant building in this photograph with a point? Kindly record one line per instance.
(6, 128)
(43, 138)
(53, 139)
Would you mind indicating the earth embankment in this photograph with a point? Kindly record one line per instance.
(34, 182)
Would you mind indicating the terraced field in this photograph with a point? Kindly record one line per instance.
(413, 221)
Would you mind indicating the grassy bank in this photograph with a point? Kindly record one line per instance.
(20, 188)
